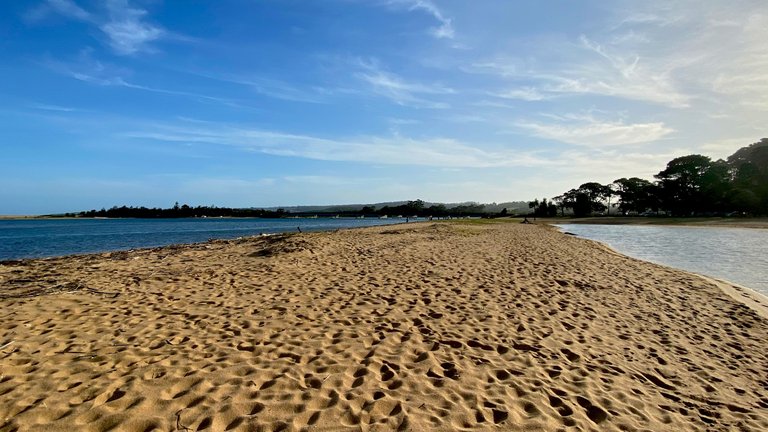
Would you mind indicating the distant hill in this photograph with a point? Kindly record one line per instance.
(511, 206)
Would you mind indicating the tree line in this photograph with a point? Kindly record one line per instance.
(408, 209)
(419, 208)
(179, 211)
(692, 185)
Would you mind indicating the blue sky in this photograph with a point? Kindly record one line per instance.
(286, 102)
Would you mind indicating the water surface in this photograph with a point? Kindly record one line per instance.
(739, 255)
(54, 237)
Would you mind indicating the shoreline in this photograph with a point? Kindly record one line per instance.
(714, 222)
(747, 296)
(184, 218)
(744, 295)
(292, 229)
(719, 222)
(424, 326)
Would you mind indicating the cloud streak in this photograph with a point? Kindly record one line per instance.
(274, 88)
(601, 73)
(89, 70)
(592, 132)
(523, 93)
(51, 107)
(127, 30)
(575, 164)
(378, 150)
(65, 8)
(397, 89)
(445, 28)
(125, 27)
(674, 55)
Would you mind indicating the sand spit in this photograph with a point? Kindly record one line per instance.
(420, 327)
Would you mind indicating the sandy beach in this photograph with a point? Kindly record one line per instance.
(444, 326)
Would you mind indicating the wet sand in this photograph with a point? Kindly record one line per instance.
(410, 327)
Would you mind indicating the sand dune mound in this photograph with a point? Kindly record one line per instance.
(419, 327)
(280, 244)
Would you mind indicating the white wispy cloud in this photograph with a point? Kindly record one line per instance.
(624, 74)
(90, 70)
(504, 67)
(738, 72)
(587, 130)
(670, 54)
(723, 148)
(282, 90)
(275, 88)
(397, 89)
(573, 165)
(570, 165)
(485, 103)
(662, 16)
(601, 73)
(383, 150)
(402, 121)
(51, 107)
(231, 187)
(606, 165)
(445, 28)
(466, 118)
(125, 27)
(317, 180)
(523, 93)
(65, 8)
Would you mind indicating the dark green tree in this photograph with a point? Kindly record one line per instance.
(559, 202)
(689, 185)
(437, 210)
(569, 200)
(582, 205)
(681, 184)
(415, 206)
(716, 186)
(749, 172)
(543, 208)
(635, 195)
(595, 193)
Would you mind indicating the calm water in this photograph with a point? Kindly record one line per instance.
(45, 238)
(739, 255)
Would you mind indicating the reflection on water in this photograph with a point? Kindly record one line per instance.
(739, 255)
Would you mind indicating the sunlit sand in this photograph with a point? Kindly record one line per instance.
(410, 327)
